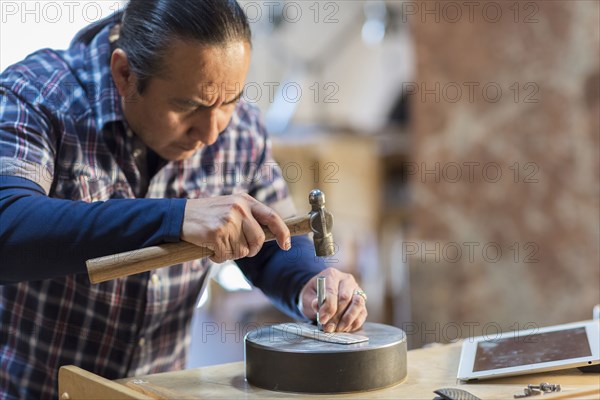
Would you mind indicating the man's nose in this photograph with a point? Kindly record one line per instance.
(206, 127)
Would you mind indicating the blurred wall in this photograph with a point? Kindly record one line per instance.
(505, 168)
(318, 52)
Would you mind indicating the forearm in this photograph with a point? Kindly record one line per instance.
(42, 237)
(281, 275)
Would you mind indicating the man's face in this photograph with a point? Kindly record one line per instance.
(189, 105)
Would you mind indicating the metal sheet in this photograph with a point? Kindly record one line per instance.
(283, 361)
(313, 332)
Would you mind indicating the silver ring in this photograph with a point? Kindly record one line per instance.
(361, 293)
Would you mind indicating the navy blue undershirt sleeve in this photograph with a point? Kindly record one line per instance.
(280, 274)
(42, 237)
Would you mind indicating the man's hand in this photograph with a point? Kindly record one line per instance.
(343, 310)
(231, 226)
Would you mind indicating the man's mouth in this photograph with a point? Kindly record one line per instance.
(191, 147)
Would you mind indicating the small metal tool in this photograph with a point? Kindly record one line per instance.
(536, 390)
(546, 387)
(293, 329)
(320, 299)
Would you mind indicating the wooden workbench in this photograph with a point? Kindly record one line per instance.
(428, 369)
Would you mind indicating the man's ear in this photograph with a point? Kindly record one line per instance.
(124, 79)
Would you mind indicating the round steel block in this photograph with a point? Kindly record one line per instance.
(286, 362)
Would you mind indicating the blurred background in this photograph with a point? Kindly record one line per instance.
(457, 143)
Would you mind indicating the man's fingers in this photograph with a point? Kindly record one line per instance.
(239, 247)
(269, 218)
(233, 247)
(343, 310)
(349, 311)
(345, 292)
(254, 236)
(231, 225)
(359, 321)
(343, 296)
(352, 313)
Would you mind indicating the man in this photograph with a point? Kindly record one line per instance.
(134, 136)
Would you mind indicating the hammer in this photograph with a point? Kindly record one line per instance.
(318, 221)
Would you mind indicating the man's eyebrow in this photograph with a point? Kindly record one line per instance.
(236, 98)
(188, 101)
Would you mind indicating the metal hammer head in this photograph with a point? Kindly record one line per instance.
(321, 222)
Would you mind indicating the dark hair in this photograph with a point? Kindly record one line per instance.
(148, 26)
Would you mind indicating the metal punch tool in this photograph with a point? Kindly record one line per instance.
(320, 299)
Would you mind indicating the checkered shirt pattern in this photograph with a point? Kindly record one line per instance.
(62, 127)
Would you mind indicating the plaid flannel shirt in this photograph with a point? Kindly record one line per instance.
(69, 136)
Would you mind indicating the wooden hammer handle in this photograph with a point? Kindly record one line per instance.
(105, 268)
